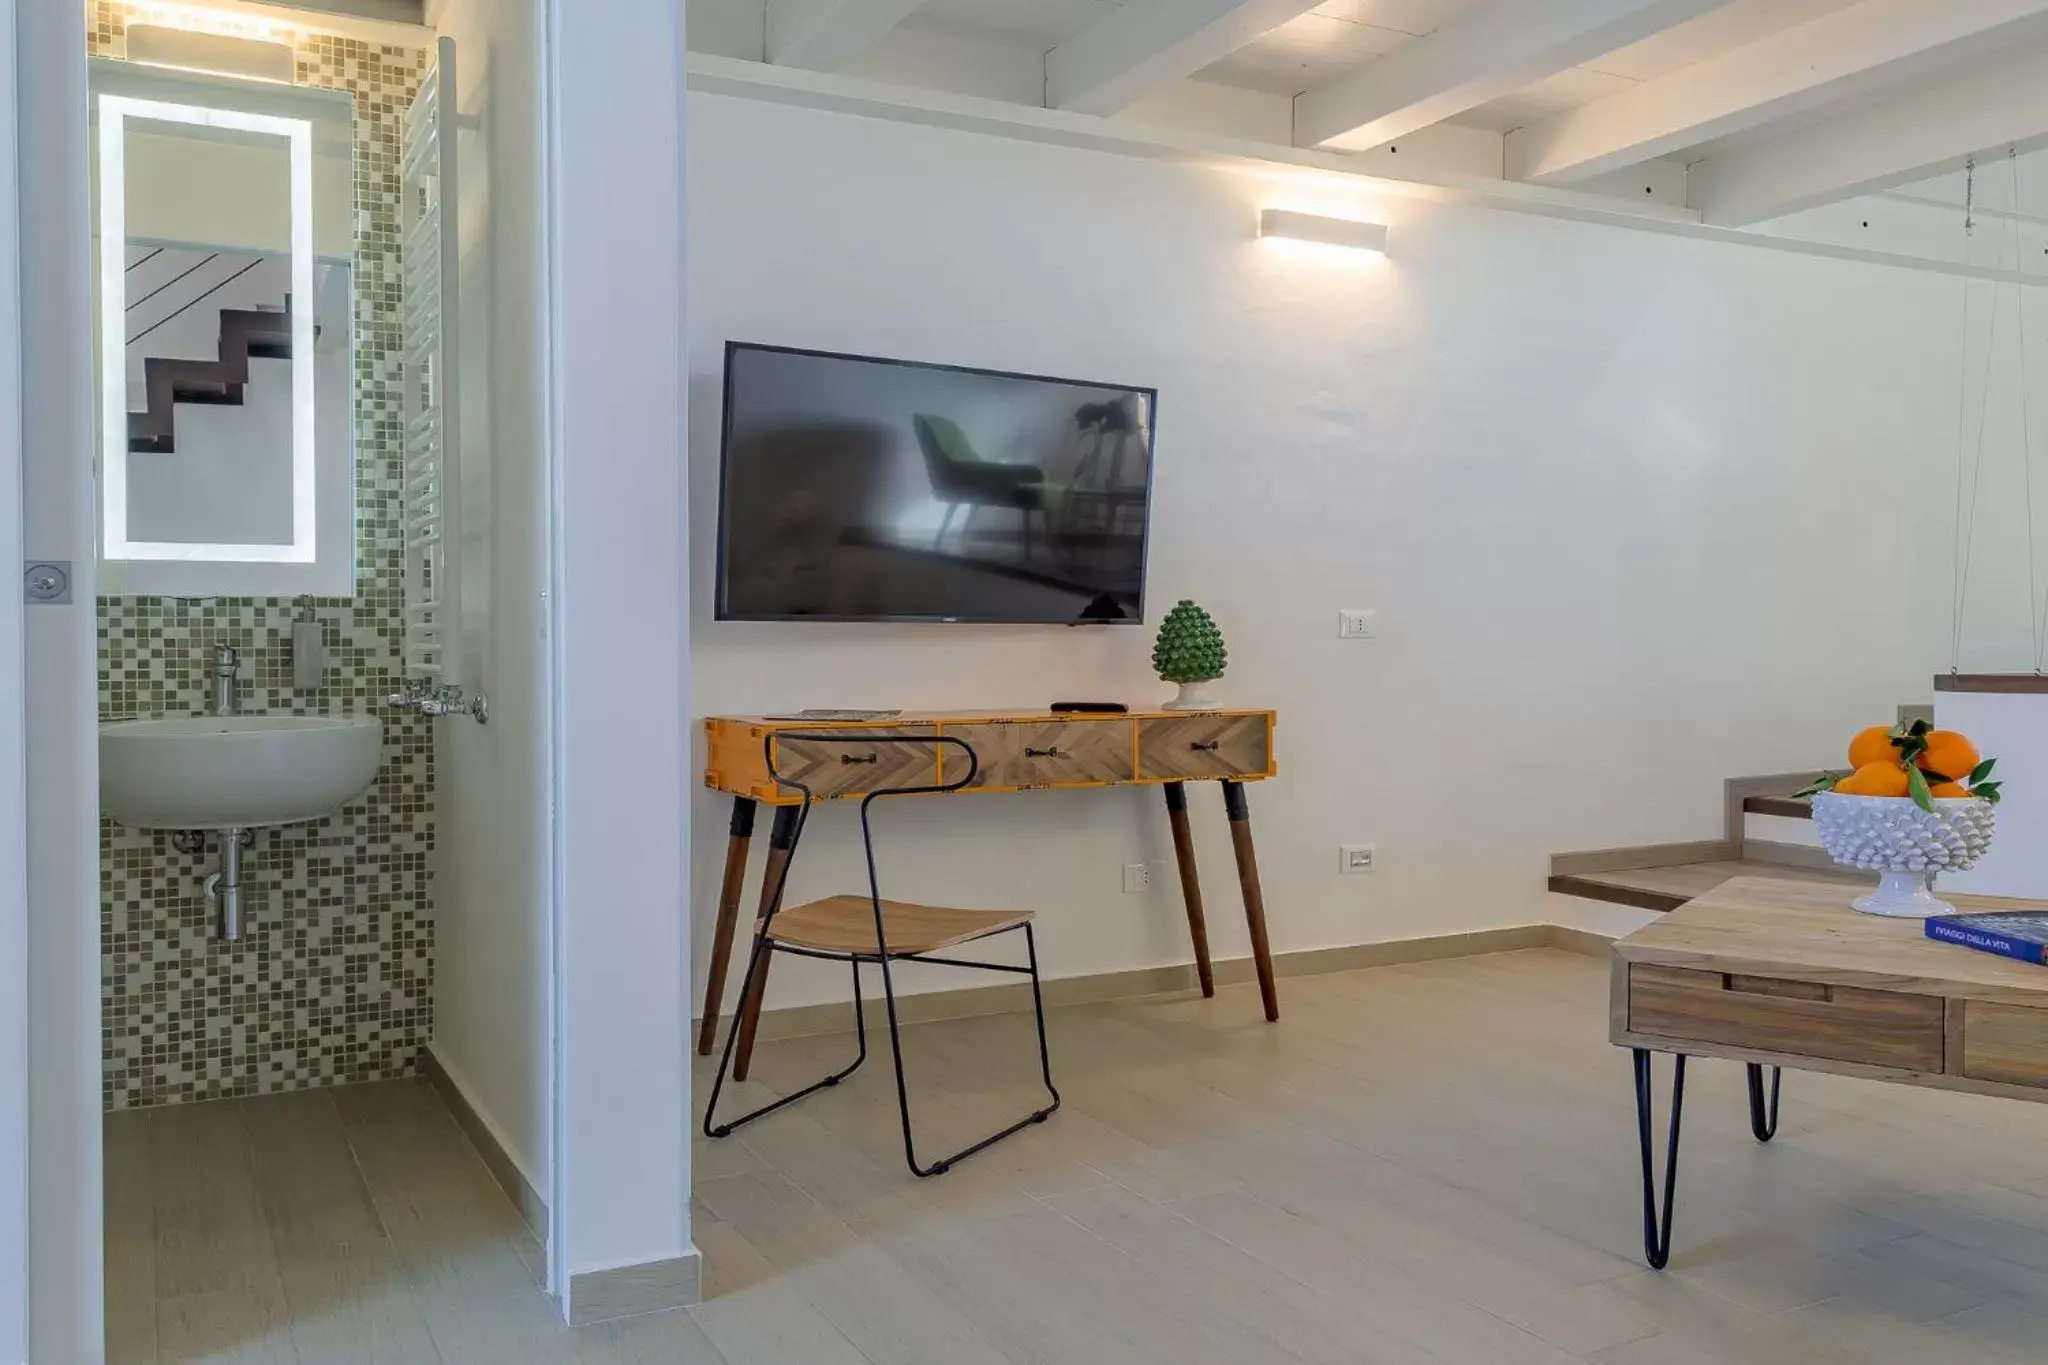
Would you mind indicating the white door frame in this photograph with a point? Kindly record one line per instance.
(13, 771)
(59, 761)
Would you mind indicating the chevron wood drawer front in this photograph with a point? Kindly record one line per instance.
(1045, 753)
(1204, 745)
(835, 767)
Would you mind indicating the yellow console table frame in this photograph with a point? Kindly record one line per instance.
(1016, 751)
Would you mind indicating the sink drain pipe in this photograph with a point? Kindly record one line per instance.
(224, 888)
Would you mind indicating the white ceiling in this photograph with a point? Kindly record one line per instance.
(1342, 36)
(1040, 23)
(1870, 89)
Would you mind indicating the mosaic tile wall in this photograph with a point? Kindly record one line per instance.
(333, 981)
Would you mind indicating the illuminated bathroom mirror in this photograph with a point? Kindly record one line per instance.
(224, 217)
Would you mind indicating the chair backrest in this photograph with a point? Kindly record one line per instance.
(867, 835)
(946, 448)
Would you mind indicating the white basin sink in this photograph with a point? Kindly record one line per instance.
(222, 772)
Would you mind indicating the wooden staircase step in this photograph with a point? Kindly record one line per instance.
(1667, 887)
(1791, 807)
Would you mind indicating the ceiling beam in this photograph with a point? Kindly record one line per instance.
(1906, 137)
(1493, 51)
(1146, 44)
(1832, 58)
(823, 35)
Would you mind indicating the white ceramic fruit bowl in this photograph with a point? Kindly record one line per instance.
(1893, 836)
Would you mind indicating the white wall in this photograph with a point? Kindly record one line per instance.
(492, 985)
(616, 251)
(1637, 513)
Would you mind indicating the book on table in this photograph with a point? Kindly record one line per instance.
(2021, 934)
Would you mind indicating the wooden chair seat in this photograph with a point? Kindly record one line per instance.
(846, 924)
(860, 930)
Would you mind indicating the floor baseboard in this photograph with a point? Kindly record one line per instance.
(1585, 942)
(806, 1021)
(532, 1208)
(629, 1291)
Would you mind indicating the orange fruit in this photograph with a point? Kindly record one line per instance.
(1875, 779)
(1949, 753)
(1873, 745)
(1944, 790)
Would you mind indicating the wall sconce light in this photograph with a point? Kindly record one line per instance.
(1311, 227)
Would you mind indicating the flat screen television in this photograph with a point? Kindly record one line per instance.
(854, 488)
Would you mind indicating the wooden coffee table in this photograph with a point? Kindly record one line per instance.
(1785, 974)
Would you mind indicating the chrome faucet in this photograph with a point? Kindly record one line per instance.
(225, 666)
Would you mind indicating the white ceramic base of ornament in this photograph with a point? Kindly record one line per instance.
(1903, 895)
(1195, 696)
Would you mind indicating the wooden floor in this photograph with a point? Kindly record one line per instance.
(354, 1225)
(1427, 1163)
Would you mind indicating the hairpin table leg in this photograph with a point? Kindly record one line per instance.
(1656, 1219)
(1763, 1122)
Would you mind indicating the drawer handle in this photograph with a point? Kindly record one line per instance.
(1777, 988)
(1053, 752)
(856, 758)
(1205, 746)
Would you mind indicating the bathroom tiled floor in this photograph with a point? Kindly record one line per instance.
(1424, 1163)
(350, 1225)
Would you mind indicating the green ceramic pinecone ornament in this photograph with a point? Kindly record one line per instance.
(1189, 648)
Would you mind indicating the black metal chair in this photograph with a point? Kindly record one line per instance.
(868, 929)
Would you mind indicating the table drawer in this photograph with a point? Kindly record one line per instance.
(851, 767)
(1204, 745)
(1044, 753)
(2005, 1043)
(1798, 1018)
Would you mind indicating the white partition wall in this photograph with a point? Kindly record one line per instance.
(493, 930)
(622, 750)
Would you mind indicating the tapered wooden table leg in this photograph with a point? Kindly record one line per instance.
(739, 839)
(1254, 900)
(1190, 882)
(781, 846)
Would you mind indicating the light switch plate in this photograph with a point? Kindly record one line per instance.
(1355, 858)
(1357, 623)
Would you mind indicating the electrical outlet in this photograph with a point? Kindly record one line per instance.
(1355, 858)
(1137, 878)
(1357, 623)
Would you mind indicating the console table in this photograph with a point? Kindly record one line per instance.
(1017, 751)
(1785, 974)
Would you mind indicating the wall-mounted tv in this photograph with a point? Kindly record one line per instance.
(854, 488)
